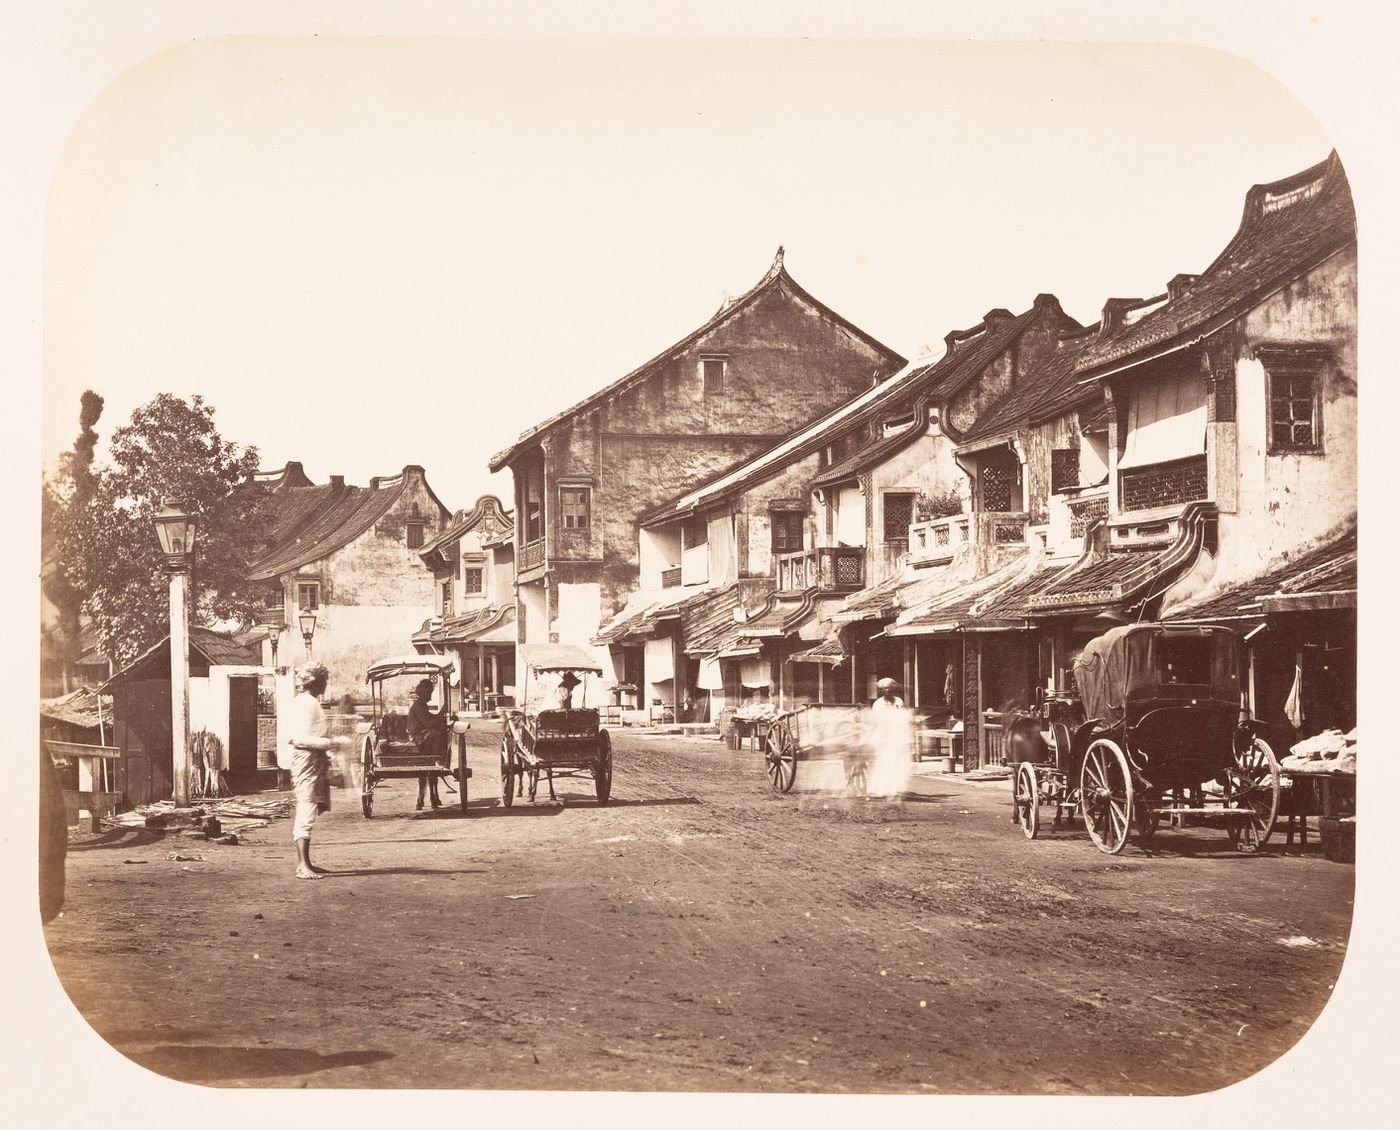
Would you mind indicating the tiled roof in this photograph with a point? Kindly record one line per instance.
(948, 609)
(311, 522)
(78, 708)
(641, 622)
(873, 603)
(704, 622)
(1116, 577)
(1329, 568)
(467, 627)
(1054, 382)
(214, 648)
(1289, 227)
(776, 276)
(967, 353)
(780, 616)
(873, 453)
(829, 651)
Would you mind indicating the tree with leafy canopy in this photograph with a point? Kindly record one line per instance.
(170, 451)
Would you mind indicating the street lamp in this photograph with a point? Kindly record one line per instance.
(176, 529)
(308, 627)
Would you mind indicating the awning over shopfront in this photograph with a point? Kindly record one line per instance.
(1166, 419)
(636, 625)
(490, 624)
(828, 652)
(1322, 579)
(1123, 579)
(952, 608)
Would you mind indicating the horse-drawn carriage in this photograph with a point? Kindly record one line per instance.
(386, 750)
(550, 736)
(1159, 734)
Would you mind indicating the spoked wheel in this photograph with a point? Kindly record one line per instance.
(1027, 800)
(1253, 783)
(367, 777)
(507, 773)
(602, 768)
(857, 776)
(781, 757)
(1106, 796)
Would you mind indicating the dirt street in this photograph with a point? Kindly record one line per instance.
(701, 933)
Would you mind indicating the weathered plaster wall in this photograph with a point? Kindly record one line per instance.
(787, 364)
(1289, 501)
(926, 466)
(753, 513)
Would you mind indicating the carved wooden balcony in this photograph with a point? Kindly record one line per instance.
(827, 569)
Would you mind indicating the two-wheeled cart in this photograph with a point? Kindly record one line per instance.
(550, 737)
(386, 750)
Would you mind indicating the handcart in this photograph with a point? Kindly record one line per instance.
(818, 732)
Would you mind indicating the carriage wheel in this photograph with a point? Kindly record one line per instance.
(781, 757)
(367, 776)
(602, 768)
(507, 773)
(1106, 796)
(1254, 784)
(1027, 800)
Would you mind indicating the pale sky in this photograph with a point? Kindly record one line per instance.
(373, 252)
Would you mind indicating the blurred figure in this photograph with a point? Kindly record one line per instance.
(891, 739)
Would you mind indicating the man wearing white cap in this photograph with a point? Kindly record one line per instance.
(891, 729)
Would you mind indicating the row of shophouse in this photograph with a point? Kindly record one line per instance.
(779, 508)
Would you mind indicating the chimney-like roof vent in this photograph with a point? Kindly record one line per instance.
(1179, 285)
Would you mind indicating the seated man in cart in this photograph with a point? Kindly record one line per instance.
(431, 733)
(564, 692)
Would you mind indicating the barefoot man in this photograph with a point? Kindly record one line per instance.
(310, 761)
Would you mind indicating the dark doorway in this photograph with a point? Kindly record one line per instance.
(243, 727)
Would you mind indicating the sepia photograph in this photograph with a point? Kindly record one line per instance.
(597, 562)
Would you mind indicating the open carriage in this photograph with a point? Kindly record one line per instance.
(550, 737)
(386, 751)
(1162, 735)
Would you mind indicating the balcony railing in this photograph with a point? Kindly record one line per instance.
(829, 569)
(939, 539)
(670, 578)
(531, 554)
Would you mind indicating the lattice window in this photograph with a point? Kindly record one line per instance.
(848, 570)
(1295, 382)
(472, 580)
(997, 481)
(1064, 469)
(1165, 485)
(1084, 514)
(898, 515)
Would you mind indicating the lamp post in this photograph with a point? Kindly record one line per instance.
(308, 627)
(176, 530)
